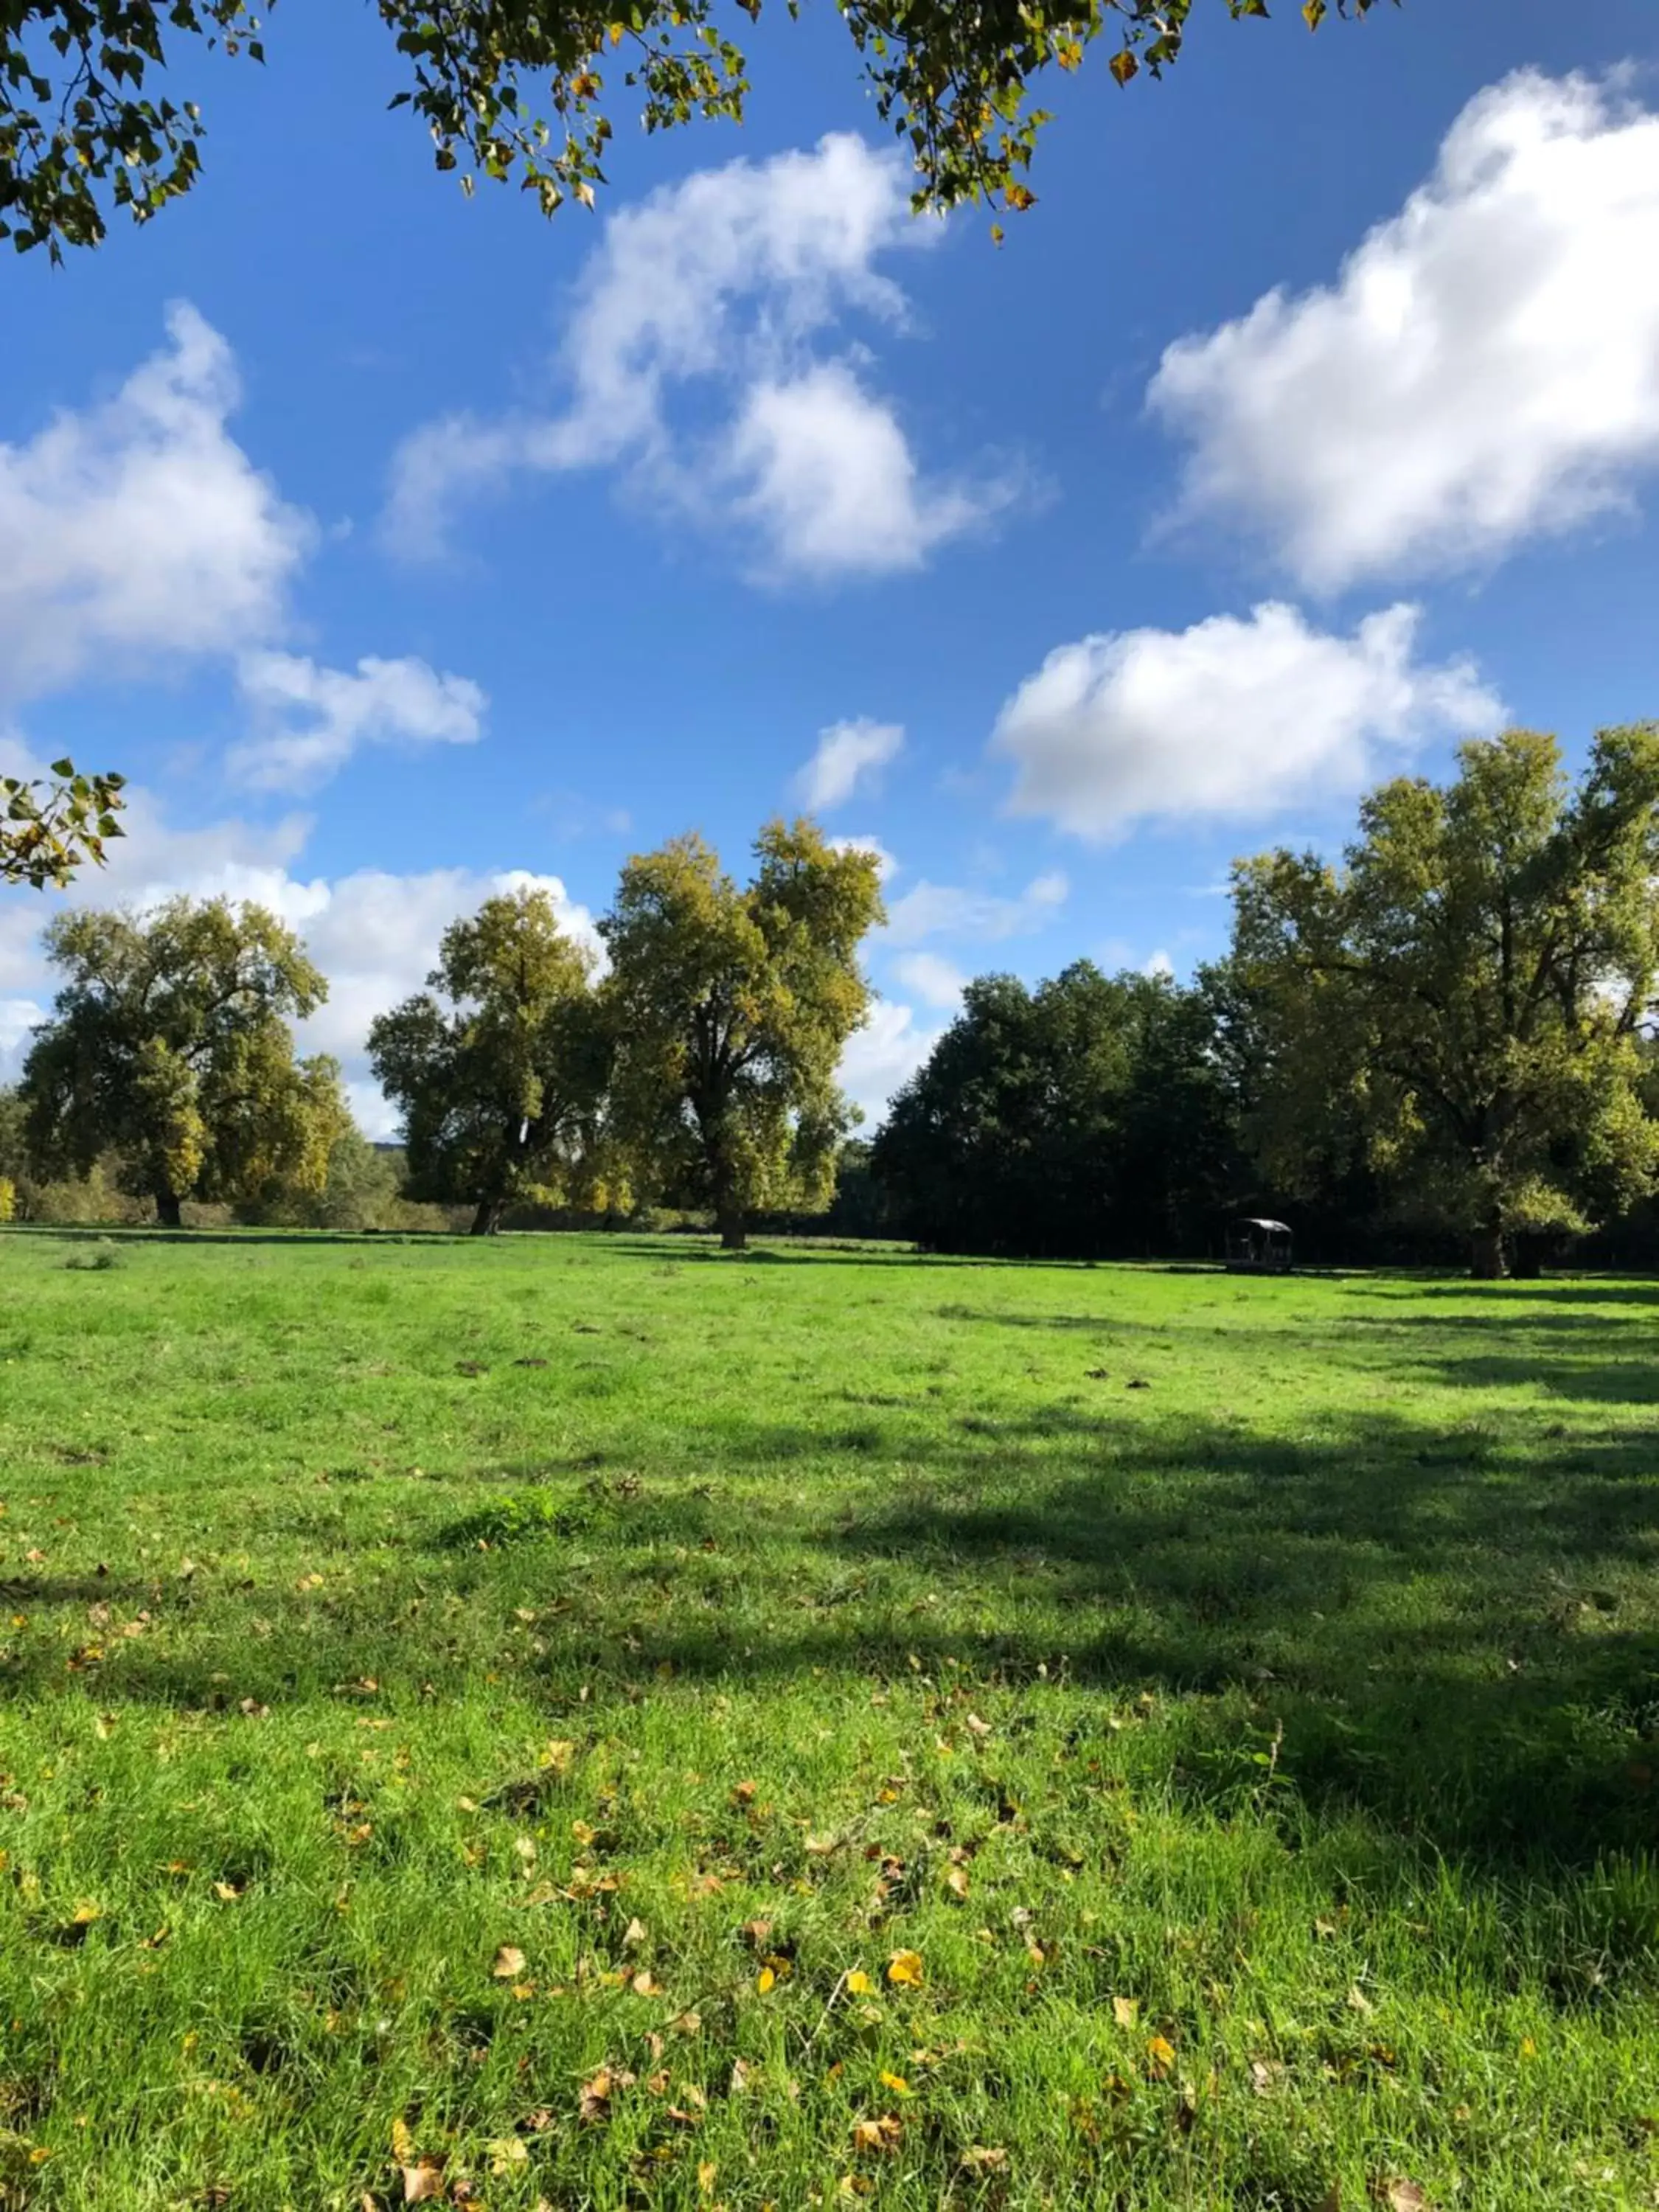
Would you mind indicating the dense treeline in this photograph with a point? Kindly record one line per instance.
(1441, 1045)
(1443, 1042)
(1085, 1117)
(695, 1067)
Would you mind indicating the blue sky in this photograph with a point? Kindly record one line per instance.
(393, 542)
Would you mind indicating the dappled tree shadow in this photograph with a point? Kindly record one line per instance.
(1442, 1619)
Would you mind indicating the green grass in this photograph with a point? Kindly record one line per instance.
(1261, 1762)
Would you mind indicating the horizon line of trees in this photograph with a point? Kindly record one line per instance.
(1445, 1040)
(697, 1070)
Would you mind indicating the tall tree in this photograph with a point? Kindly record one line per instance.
(49, 830)
(1470, 988)
(499, 1065)
(731, 1006)
(522, 89)
(1081, 1117)
(169, 1043)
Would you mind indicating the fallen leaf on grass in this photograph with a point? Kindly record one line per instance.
(509, 1963)
(904, 1969)
(1126, 2011)
(859, 1983)
(1399, 2196)
(506, 2154)
(956, 1881)
(422, 2182)
(1359, 2002)
(885, 2135)
(897, 2084)
(979, 2158)
(1160, 2056)
(634, 1935)
(643, 1986)
(594, 2104)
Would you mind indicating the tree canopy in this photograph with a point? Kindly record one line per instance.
(1467, 996)
(523, 89)
(169, 1045)
(52, 828)
(730, 1006)
(1079, 1117)
(499, 1066)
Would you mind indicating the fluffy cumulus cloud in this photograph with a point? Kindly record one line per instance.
(931, 978)
(982, 917)
(1485, 367)
(1230, 720)
(136, 534)
(883, 1056)
(849, 757)
(138, 531)
(720, 297)
(308, 721)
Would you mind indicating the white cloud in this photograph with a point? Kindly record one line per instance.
(721, 290)
(847, 755)
(1160, 964)
(948, 910)
(308, 721)
(1485, 367)
(884, 1055)
(825, 470)
(18, 1017)
(886, 866)
(931, 978)
(1230, 720)
(138, 532)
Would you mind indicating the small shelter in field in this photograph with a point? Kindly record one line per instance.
(1259, 1247)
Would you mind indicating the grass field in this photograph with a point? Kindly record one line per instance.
(588, 1722)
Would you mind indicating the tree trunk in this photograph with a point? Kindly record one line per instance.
(487, 1218)
(734, 1229)
(1487, 1260)
(168, 1209)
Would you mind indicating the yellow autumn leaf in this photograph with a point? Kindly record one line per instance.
(904, 1969)
(1125, 2011)
(859, 1983)
(509, 1963)
(1160, 2051)
(897, 2084)
(765, 1980)
(956, 1881)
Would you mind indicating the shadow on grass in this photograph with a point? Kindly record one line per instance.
(1456, 1627)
